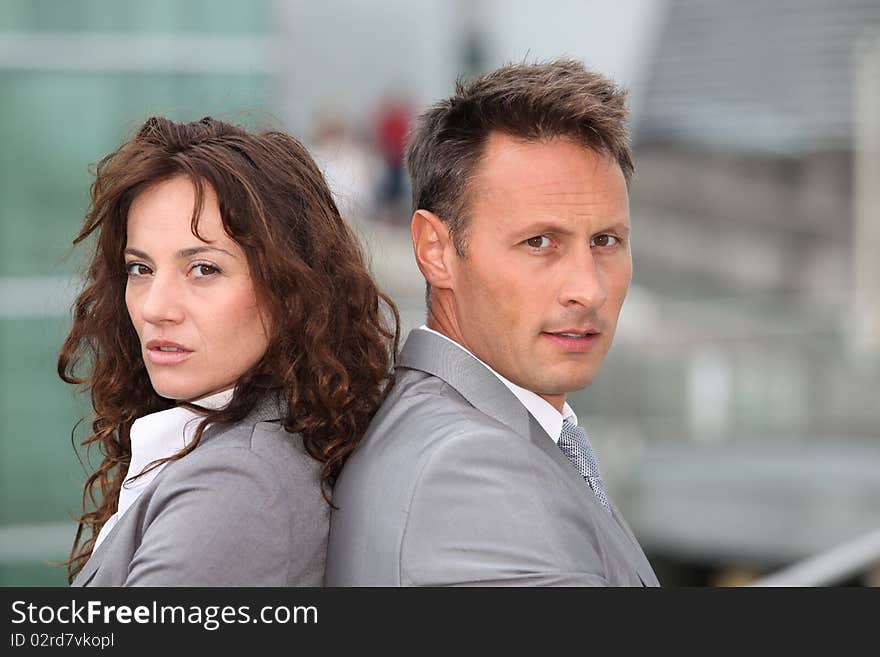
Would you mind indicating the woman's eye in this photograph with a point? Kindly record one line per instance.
(605, 240)
(137, 269)
(202, 270)
(538, 242)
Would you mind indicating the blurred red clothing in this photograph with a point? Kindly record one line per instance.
(392, 127)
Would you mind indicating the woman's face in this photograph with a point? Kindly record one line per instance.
(192, 302)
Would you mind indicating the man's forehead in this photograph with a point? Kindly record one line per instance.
(545, 166)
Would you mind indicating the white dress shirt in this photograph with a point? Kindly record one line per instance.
(153, 437)
(543, 411)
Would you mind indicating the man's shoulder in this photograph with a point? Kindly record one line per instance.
(423, 423)
(425, 409)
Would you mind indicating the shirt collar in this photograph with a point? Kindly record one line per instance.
(153, 437)
(160, 435)
(543, 411)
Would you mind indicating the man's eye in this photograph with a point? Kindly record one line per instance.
(538, 242)
(605, 240)
(137, 269)
(202, 270)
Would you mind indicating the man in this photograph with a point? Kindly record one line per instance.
(475, 471)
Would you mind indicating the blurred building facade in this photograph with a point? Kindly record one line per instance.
(754, 233)
(75, 79)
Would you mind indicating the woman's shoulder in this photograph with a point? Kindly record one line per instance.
(262, 448)
(256, 449)
(242, 488)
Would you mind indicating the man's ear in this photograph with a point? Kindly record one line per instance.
(433, 248)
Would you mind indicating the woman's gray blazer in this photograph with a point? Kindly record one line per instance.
(242, 509)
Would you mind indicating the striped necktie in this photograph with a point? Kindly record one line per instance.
(575, 445)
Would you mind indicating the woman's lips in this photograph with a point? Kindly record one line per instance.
(162, 353)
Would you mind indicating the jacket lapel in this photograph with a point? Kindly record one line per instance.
(84, 576)
(272, 407)
(613, 523)
(434, 355)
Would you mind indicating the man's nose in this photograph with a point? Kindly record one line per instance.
(583, 282)
(162, 301)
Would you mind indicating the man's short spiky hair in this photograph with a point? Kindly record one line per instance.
(534, 102)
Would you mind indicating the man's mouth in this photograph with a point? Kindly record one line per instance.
(575, 332)
(578, 340)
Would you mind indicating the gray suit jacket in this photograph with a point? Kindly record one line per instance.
(455, 483)
(242, 509)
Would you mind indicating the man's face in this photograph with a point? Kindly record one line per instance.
(547, 263)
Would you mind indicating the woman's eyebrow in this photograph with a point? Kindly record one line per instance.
(137, 253)
(188, 253)
(183, 253)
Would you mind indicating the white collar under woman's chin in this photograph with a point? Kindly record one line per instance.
(215, 401)
(154, 437)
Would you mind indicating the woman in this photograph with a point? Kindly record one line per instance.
(235, 351)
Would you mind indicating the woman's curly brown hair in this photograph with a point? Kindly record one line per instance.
(331, 347)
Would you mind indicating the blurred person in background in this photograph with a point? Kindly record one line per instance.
(352, 170)
(392, 128)
(229, 382)
(475, 470)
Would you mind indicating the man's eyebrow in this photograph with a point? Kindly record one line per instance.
(543, 227)
(623, 229)
(183, 253)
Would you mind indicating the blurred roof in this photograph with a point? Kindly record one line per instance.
(770, 76)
